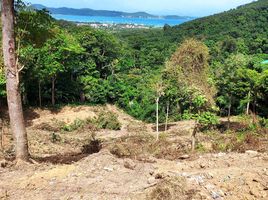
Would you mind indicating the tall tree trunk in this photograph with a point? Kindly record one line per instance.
(82, 97)
(229, 113)
(248, 104)
(166, 125)
(1, 135)
(157, 119)
(254, 108)
(53, 91)
(39, 93)
(12, 81)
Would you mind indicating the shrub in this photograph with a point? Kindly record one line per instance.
(238, 142)
(54, 137)
(201, 148)
(187, 115)
(78, 123)
(263, 122)
(207, 120)
(107, 120)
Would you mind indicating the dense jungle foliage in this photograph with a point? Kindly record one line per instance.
(206, 67)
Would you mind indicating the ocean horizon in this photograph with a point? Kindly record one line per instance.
(121, 20)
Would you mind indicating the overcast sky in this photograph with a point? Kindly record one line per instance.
(178, 7)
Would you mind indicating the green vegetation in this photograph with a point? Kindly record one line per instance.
(77, 124)
(107, 120)
(207, 67)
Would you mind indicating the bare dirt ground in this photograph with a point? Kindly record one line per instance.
(61, 170)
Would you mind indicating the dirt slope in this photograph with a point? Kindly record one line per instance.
(74, 175)
(103, 176)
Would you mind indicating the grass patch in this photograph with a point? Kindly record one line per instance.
(143, 145)
(172, 188)
(76, 125)
(237, 142)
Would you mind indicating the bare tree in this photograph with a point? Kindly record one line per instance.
(159, 91)
(248, 103)
(12, 81)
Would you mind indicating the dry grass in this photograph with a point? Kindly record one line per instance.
(172, 189)
(143, 145)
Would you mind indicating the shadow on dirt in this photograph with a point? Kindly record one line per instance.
(94, 146)
(162, 127)
(234, 126)
(29, 116)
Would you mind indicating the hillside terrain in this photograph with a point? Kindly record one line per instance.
(68, 168)
(173, 113)
(246, 24)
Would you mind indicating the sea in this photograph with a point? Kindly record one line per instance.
(122, 20)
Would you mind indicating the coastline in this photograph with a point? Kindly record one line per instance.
(123, 22)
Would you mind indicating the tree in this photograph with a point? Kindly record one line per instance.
(190, 62)
(229, 81)
(249, 79)
(56, 57)
(159, 88)
(33, 29)
(12, 81)
(98, 63)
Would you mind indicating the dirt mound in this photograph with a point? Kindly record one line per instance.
(66, 114)
(99, 176)
(224, 176)
(103, 176)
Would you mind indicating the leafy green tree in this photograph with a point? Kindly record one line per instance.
(98, 62)
(228, 81)
(34, 27)
(55, 56)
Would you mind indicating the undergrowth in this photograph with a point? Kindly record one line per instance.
(143, 145)
(172, 188)
(107, 120)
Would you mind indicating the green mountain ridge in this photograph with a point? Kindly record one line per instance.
(248, 22)
(103, 13)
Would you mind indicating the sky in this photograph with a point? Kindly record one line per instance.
(195, 8)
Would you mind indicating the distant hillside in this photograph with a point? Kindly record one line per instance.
(248, 23)
(104, 13)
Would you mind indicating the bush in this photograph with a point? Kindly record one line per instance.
(208, 119)
(187, 115)
(263, 122)
(238, 142)
(55, 138)
(77, 124)
(107, 120)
